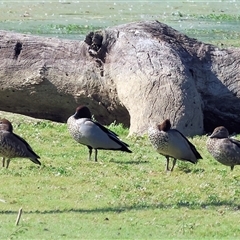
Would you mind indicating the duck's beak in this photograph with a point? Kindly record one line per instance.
(213, 135)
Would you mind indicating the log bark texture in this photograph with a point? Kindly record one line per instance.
(137, 74)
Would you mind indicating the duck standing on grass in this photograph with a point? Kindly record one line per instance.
(224, 149)
(13, 146)
(92, 134)
(172, 143)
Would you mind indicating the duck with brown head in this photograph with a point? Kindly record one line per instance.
(172, 143)
(224, 149)
(92, 134)
(13, 146)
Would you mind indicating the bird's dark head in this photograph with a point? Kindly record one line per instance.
(165, 126)
(6, 125)
(220, 132)
(82, 112)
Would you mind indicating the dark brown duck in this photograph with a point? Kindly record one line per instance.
(13, 146)
(224, 149)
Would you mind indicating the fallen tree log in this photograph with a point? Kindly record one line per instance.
(137, 74)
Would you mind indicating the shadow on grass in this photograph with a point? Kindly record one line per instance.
(191, 206)
(128, 162)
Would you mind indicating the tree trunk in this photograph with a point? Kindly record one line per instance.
(137, 74)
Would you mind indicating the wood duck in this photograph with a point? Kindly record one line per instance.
(172, 143)
(224, 149)
(13, 146)
(92, 134)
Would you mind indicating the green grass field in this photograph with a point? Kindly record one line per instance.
(123, 196)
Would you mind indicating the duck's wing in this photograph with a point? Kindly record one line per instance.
(99, 137)
(23, 141)
(106, 130)
(193, 148)
(231, 149)
(111, 134)
(17, 146)
(235, 141)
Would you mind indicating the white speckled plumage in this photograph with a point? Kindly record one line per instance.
(92, 134)
(224, 149)
(13, 146)
(172, 143)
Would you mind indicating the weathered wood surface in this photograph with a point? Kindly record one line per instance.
(137, 74)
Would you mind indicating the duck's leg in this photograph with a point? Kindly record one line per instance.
(174, 162)
(232, 167)
(95, 155)
(3, 161)
(8, 162)
(90, 153)
(167, 164)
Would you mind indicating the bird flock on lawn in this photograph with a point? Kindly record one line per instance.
(167, 141)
